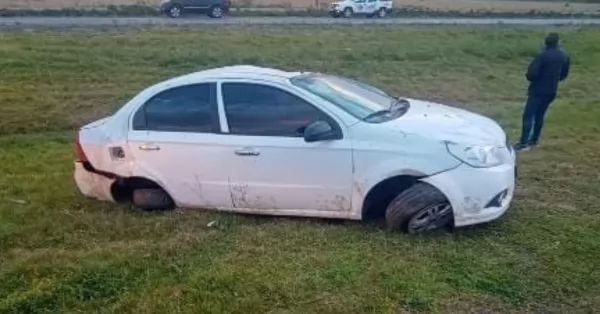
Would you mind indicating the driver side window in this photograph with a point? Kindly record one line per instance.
(262, 110)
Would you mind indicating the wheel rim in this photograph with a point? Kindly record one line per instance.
(217, 12)
(347, 13)
(175, 11)
(381, 13)
(430, 218)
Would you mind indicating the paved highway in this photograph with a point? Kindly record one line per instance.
(28, 22)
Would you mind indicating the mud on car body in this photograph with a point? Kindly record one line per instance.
(263, 141)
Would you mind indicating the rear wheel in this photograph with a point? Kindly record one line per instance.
(418, 209)
(382, 13)
(152, 199)
(174, 11)
(216, 12)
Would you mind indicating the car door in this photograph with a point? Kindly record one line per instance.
(371, 6)
(272, 167)
(197, 4)
(360, 6)
(174, 140)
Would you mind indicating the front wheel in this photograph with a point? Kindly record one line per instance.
(382, 13)
(418, 209)
(216, 12)
(174, 11)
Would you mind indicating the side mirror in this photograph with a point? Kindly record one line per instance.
(319, 131)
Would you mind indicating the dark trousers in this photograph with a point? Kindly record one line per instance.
(533, 118)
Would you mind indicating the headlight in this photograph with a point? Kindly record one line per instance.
(476, 156)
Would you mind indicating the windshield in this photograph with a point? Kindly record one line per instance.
(356, 98)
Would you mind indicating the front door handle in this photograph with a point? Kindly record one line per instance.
(149, 147)
(247, 152)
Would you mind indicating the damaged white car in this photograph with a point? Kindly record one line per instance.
(264, 141)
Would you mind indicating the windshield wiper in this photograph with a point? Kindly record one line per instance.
(399, 104)
(398, 107)
(377, 114)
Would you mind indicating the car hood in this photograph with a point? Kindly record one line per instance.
(450, 124)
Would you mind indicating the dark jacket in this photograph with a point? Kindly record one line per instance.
(545, 71)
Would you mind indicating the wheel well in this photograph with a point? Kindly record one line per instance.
(380, 196)
(122, 189)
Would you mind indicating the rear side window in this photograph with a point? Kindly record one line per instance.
(190, 108)
(261, 110)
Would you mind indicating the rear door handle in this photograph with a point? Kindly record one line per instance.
(247, 152)
(149, 147)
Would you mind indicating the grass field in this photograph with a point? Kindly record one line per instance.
(582, 6)
(62, 253)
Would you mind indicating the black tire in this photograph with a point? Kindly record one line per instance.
(174, 11)
(348, 12)
(407, 210)
(152, 199)
(216, 12)
(336, 15)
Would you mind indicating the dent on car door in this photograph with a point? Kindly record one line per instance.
(172, 142)
(272, 166)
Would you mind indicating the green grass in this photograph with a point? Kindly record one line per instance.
(60, 252)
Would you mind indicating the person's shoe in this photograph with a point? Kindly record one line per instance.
(520, 147)
(533, 144)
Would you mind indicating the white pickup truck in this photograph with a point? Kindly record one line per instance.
(348, 8)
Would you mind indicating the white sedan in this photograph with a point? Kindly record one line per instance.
(263, 141)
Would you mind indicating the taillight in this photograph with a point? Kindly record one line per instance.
(79, 154)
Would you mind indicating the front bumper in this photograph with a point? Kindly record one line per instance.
(474, 192)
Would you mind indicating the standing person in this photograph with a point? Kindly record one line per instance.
(549, 67)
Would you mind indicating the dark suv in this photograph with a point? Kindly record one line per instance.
(214, 8)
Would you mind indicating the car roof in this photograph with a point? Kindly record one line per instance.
(237, 72)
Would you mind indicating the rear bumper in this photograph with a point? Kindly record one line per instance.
(164, 7)
(92, 184)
